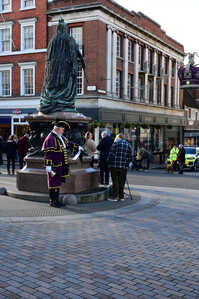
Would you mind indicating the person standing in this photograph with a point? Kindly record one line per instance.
(23, 145)
(11, 150)
(173, 156)
(90, 146)
(181, 158)
(119, 158)
(56, 159)
(104, 148)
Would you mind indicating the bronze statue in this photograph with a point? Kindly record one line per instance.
(60, 83)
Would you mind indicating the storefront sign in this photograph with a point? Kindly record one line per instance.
(16, 111)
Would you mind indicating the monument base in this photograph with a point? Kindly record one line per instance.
(32, 177)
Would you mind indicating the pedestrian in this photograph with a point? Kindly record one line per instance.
(90, 146)
(104, 148)
(173, 156)
(146, 156)
(119, 158)
(55, 148)
(1, 152)
(11, 150)
(138, 160)
(181, 158)
(23, 145)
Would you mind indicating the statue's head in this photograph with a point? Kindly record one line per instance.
(61, 28)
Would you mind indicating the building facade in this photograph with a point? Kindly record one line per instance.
(191, 108)
(131, 80)
(131, 68)
(23, 40)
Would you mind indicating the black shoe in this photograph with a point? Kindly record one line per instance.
(52, 204)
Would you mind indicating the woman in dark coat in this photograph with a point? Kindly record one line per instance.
(11, 151)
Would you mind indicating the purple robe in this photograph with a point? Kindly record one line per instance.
(56, 156)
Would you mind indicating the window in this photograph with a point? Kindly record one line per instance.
(172, 96)
(27, 4)
(80, 80)
(27, 34)
(6, 37)
(118, 84)
(141, 89)
(5, 5)
(130, 50)
(150, 61)
(130, 89)
(27, 78)
(159, 88)
(165, 95)
(119, 46)
(77, 34)
(166, 65)
(150, 91)
(5, 44)
(5, 80)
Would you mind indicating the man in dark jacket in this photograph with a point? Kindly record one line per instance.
(104, 148)
(120, 156)
(181, 158)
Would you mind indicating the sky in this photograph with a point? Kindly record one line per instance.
(176, 17)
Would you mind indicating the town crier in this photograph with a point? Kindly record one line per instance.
(55, 148)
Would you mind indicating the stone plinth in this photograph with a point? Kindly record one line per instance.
(32, 177)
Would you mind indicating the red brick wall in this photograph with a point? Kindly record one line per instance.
(40, 43)
(142, 20)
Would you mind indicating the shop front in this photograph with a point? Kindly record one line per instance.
(156, 132)
(12, 122)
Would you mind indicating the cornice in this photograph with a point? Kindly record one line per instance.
(96, 5)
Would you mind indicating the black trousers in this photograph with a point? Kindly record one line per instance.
(104, 175)
(118, 176)
(54, 196)
(21, 161)
(11, 160)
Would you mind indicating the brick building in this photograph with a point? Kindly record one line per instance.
(23, 38)
(191, 108)
(131, 67)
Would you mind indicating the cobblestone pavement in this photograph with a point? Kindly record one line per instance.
(123, 253)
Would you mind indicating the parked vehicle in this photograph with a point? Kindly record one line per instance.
(191, 158)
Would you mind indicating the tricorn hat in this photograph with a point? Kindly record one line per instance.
(61, 124)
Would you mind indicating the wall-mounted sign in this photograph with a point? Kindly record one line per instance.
(91, 88)
(101, 91)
